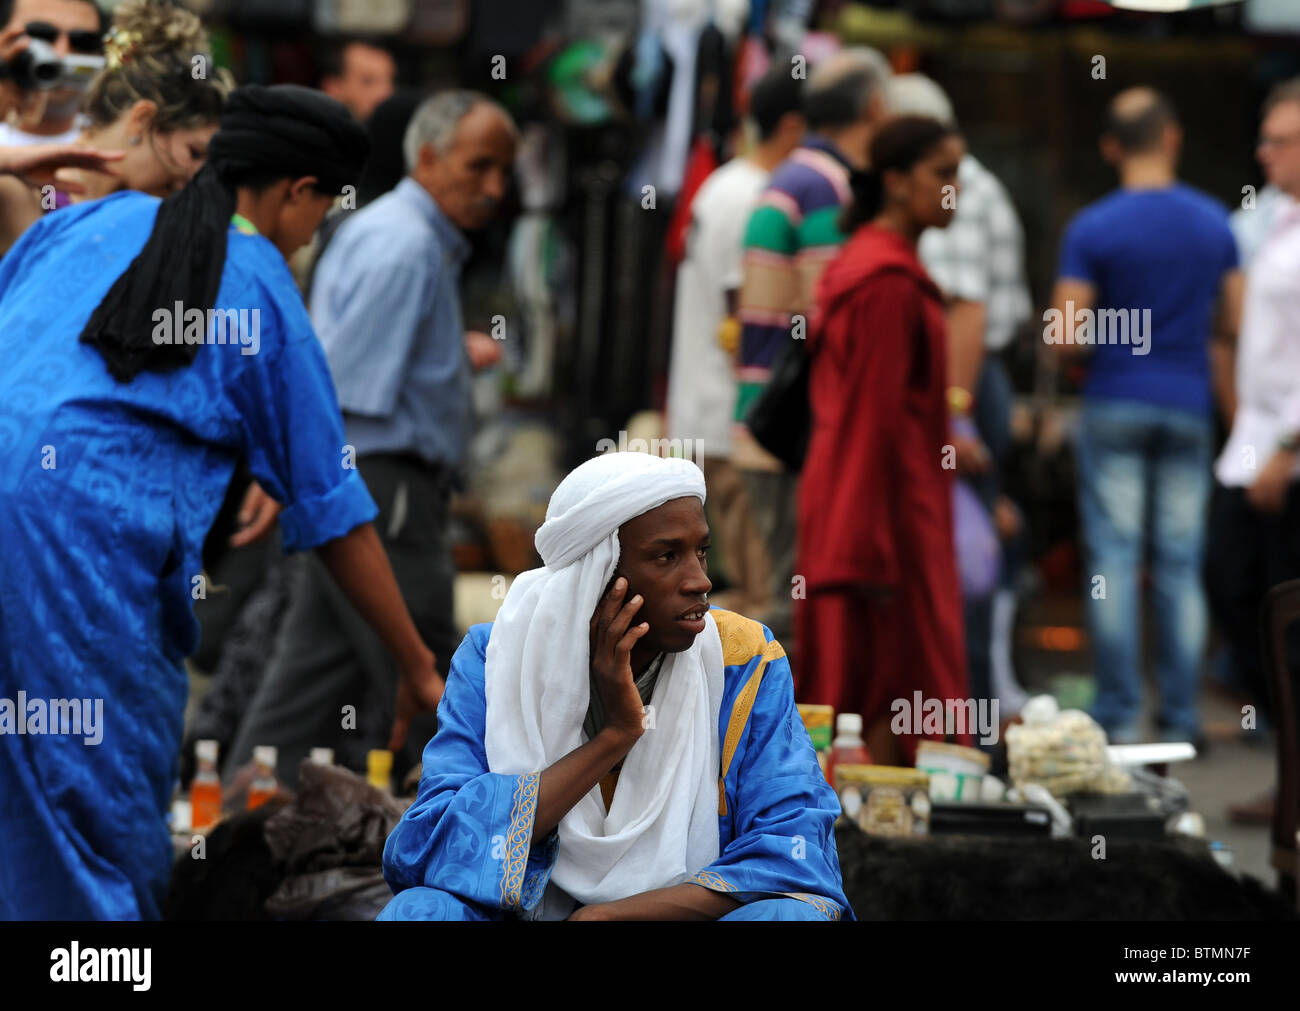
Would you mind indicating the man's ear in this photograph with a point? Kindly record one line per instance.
(1174, 139)
(302, 189)
(876, 111)
(427, 158)
(1110, 150)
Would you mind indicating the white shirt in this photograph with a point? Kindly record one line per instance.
(11, 136)
(980, 256)
(1250, 227)
(701, 379)
(1268, 354)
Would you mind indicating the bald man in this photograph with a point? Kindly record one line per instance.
(1142, 274)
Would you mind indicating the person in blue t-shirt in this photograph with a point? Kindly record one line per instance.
(1148, 288)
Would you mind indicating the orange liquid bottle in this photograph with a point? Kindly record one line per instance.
(264, 786)
(205, 791)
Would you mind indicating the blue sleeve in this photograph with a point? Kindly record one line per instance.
(470, 831)
(783, 811)
(293, 437)
(1076, 256)
(369, 314)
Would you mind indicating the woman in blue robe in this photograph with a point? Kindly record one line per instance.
(115, 451)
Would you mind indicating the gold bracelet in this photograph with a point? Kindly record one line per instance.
(959, 400)
(729, 335)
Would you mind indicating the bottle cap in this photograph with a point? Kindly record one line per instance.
(206, 751)
(379, 763)
(265, 755)
(322, 756)
(848, 723)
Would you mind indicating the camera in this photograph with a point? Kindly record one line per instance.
(36, 68)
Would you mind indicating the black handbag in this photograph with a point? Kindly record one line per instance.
(780, 418)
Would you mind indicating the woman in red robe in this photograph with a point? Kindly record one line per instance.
(882, 616)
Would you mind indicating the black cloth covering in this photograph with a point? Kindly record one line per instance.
(267, 133)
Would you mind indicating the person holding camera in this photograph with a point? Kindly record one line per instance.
(156, 102)
(35, 165)
(61, 36)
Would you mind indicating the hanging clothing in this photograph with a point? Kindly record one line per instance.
(107, 491)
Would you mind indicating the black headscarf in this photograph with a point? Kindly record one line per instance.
(267, 133)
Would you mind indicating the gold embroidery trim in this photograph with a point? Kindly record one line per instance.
(739, 717)
(830, 910)
(518, 839)
(711, 880)
(742, 638)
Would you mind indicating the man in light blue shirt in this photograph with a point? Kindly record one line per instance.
(386, 305)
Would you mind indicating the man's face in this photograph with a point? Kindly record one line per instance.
(65, 16)
(663, 554)
(1279, 147)
(369, 76)
(471, 179)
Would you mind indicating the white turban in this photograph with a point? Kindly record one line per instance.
(662, 825)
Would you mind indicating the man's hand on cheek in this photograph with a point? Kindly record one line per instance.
(612, 637)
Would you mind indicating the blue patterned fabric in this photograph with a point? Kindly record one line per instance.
(467, 839)
(106, 493)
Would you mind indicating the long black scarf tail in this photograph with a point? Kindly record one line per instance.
(182, 262)
(267, 133)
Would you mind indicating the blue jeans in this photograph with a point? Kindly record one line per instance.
(1144, 483)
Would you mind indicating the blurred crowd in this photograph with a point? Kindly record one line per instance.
(851, 283)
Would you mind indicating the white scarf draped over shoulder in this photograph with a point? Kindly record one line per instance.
(662, 825)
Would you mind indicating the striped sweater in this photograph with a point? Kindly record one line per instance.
(792, 234)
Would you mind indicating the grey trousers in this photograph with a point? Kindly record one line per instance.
(330, 681)
(773, 504)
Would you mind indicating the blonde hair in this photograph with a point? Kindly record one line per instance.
(159, 53)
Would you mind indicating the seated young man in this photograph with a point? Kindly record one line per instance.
(612, 748)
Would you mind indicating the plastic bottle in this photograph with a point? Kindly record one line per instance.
(264, 786)
(321, 756)
(379, 769)
(205, 790)
(847, 748)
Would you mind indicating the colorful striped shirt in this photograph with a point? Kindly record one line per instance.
(792, 234)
